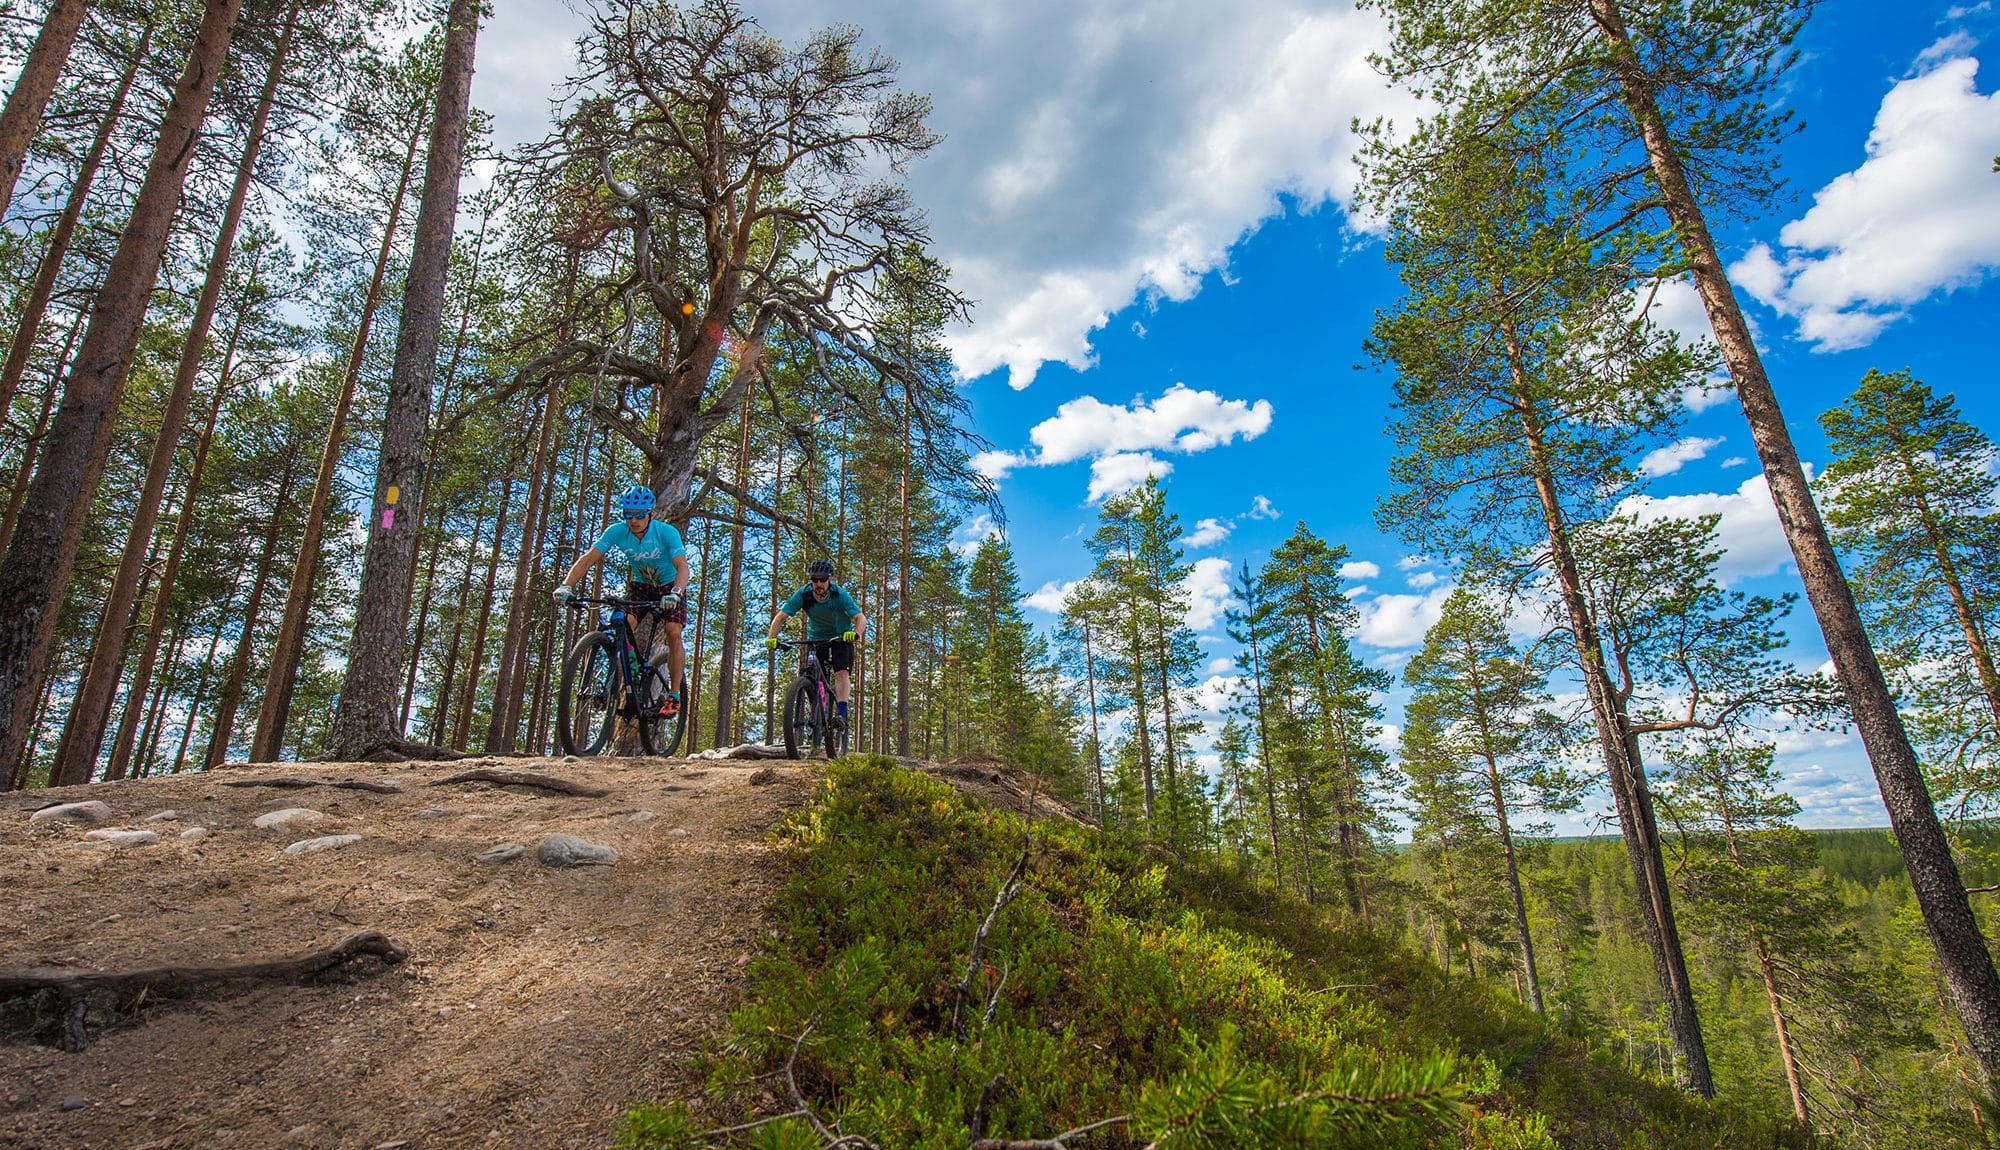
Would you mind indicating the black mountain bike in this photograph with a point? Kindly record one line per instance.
(606, 676)
(809, 717)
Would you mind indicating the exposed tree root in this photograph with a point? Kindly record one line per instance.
(378, 786)
(129, 990)
(505, 778)
(395, 750)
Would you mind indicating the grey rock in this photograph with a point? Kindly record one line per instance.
(75, 1102)
(194, 834)
(641, 817)
(322, 843)
(91, 811)
(568, 850)
(679, 833)
(164, 817)
(287, 819)
(434, 813)
(118, 838)
(505, 852)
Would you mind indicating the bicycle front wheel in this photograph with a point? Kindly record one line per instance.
(583, 706)
(661, 734)
(798, 719)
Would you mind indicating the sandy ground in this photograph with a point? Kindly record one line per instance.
(536, 1005)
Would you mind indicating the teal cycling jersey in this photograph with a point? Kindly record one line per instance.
(647, 558)
(825, 619)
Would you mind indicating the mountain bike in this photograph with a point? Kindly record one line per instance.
(606, 676)
(809, 718)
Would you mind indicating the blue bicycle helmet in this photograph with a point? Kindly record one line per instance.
(635, 499)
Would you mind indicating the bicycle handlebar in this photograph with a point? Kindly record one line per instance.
(579, 602)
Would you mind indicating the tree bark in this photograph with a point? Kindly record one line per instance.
(732, 612)
(43, 289)
(44, 547)
(1622, 767)
(366, 720)
(239, 660)
(281, 676)
(37, 82)
(1948, 918)
(461, 731)
(502, 723)
(163, 595)
(92, 705)
(31, 451)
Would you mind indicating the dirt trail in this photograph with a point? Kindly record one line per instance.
(537, 1002)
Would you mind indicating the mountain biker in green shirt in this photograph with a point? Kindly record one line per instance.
(834, 623)
(645, 549)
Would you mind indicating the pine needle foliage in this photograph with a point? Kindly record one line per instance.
(1166, 1004)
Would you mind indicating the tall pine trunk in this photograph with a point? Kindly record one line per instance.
(366, 721)
(182, 529)
(732, 612)
(22, 117)
(91, 707)
(24, 474)
(43, 549)
(43, 288)
(281, 676)
(231, 697)
(1954, 932)
(461, 732)
(503, 723)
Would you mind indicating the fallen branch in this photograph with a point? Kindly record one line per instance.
(745, 751)
(380, 787)
(1008, 891)
(505, 778)
(131, 988)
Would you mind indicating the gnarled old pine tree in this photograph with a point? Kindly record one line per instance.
(1673, 111)
(369, 720)
(740, 170)
(46, 537)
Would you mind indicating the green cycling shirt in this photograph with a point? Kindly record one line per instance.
(647, 558)
(827, 619)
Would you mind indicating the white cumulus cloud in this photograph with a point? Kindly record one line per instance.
(1116, 474)
(1919, 216)
(1400, 621)
(1208, 593)
(1260, 508)
(1208, 533)
(1051, 596)
(1676, 455)
(1753, 542)
(1360, 569)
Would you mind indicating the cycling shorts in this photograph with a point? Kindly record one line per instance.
(653, 593)
(834, 654)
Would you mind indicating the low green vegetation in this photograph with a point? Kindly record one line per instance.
(1174, 1001)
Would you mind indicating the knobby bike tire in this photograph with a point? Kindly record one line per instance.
(657, 735)
(583, 707)
(798, 719)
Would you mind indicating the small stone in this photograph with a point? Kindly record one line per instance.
(194, 834)
(123, 838)
(434, 813)
(322, 843)
(593, 939)
(164, 817)
(641, 817)
(286, 819)
(75, 1102)
(128, 1102)
(568, 850)
(396, 1145)
(679, 833)
(487, 923)
(92, 812)
(299, 1134)
(505, 852)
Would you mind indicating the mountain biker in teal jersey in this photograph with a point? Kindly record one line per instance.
(646, 549)
(834, 623)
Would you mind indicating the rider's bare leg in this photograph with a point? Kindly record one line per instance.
(840, 686)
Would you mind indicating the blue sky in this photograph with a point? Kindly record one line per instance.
(1149, 203)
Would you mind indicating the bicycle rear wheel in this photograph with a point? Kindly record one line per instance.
(661, 735)
(798, 720)
(583, 706)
